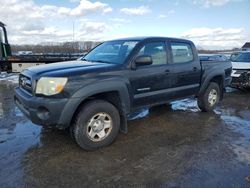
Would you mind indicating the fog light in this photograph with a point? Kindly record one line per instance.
(43, 113)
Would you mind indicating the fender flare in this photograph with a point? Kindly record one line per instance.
(208, 79)
(101, 87)
(106, 86)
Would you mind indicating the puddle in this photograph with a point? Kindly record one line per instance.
(9, 77)
(18, 113)
(240, 125)
(1, 110)
(22, 136)
(139, 114)
(230, 90)
(179, 105)
(14, 142)
(185, 105)
(8, 110)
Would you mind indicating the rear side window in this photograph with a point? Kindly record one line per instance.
(182, 52)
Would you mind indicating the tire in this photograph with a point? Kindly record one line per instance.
(96, 125)
(207, 104)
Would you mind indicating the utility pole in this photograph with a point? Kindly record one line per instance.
(73, 37)
(73, 31)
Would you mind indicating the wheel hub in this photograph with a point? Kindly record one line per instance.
(212, 97)
(99, 126)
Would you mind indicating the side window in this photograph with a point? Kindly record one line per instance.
(156, 50)
(182, 52)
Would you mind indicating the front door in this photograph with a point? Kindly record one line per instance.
(149, 82)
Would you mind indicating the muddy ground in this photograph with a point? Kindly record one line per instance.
(167, 146)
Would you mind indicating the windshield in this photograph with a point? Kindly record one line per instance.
(114, 52)
(234, 55)
(242, 57)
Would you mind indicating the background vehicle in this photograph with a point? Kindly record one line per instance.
(213, 57)
(241, 70)
(234, 55)
(17, 63)
(94, 96)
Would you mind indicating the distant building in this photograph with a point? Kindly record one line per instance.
(246, 47)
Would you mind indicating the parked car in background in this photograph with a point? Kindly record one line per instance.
(241, 69)
(213, 57)
(234, 55)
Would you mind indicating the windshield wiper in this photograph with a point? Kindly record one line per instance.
(83, 59)
(95, 61)
(101, 61)
(88, 60)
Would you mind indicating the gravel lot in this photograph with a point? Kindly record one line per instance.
(167, 146)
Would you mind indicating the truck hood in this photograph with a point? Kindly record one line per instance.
(68, 67)
(241, 65)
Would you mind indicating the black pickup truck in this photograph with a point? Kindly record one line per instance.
(94, 96)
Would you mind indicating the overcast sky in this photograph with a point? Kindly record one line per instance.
(211, 24)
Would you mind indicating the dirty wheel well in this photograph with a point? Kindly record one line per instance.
(219, 81)
(112, 97)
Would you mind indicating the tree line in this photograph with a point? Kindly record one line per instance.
(66, 47)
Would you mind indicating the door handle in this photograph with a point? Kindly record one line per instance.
(195, 69)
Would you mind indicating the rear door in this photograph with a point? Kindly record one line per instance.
(186, 68)
(149, 82)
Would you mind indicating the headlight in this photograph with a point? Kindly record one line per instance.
(50, 85)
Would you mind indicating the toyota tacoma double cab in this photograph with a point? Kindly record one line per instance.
(93, 96)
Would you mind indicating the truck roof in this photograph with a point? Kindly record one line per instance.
(151, 38)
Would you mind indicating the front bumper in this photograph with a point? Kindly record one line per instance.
(240, 79)
(45, 111)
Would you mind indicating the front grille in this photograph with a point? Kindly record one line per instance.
(25, 83)
(243, 79)
(240, 71)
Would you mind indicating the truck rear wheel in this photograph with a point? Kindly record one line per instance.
(210, 98)
(96, 125)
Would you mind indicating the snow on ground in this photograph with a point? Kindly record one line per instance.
(189, 104)
(9, 77)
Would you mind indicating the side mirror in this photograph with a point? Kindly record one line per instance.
(143, 60)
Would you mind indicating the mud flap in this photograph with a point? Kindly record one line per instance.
(124, 124)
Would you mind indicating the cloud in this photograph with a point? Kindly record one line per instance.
(216, 38)
(138, 11)
(120, 20)
(91, 28)
(161, 16)
(28, 22)
(84, 8)
(211, 3)
(171, 12)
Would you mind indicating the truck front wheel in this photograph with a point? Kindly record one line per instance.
(210, 98)
(96, 125)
